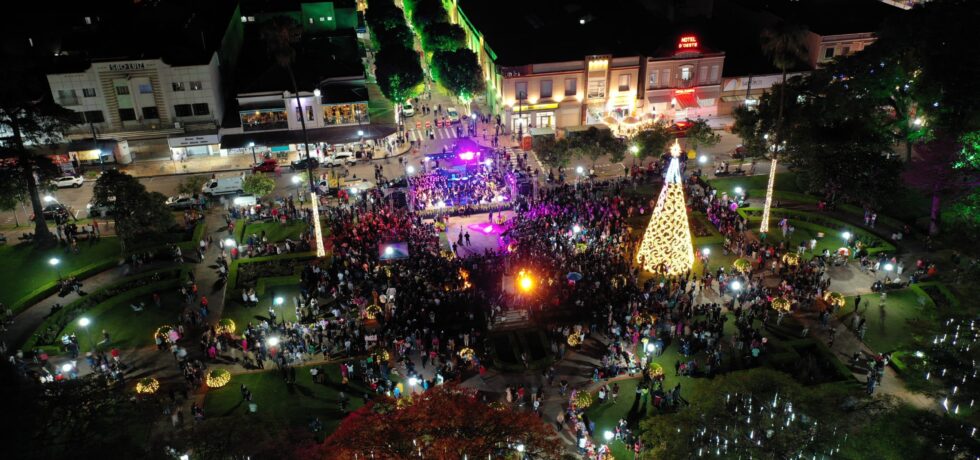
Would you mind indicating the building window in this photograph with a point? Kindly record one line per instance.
(665, 80)
(76, 118)
(183, 110)
(196, 86)
(545, 89)
(571, 87)
(94, 116)
(521, 90)
(828, 53)
(714, 74)
(201, 109)
(151, 113)
(146, 88)
(127, 114)
(122, 90)
(597, 89)
(653, 79)
(309, 113)
(686, 73)
(624, 82)
(178, 85)
(67, 97)
(88, 92)
(703, 74)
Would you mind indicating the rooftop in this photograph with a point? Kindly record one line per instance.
(318, 57)
(828, 17)
(181, 32)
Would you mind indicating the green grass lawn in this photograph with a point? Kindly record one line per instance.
(784, 181)
(130, 329)
(242, 315)
(282, 405)
(888, 328)
(275, 231)
(830, 242)
(26, 268)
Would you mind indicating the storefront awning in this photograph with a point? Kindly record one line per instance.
(251, 106)
(685, 100)
(208, 138)
(330, 135)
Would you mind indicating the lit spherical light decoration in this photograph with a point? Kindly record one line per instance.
(225, 326)
(381, 354)
(525, 281)
(163, 332)
(372, 311)
(666, 245)
(583, 400)
(834, 299)
(791, 259)
(655, 371)
(574, 340)
(467, 354)
(218, 378)
(781, 304)
(743, 265)
(147, 386)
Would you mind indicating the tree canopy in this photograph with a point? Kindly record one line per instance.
(139, 214)
(459, 71)
(258, 184)
(551, 152)
(593, 143)
(701, 134)
(652, 140)
(442, 36)
(399, 73)
(443, 422)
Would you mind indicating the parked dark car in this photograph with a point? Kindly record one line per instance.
(55, 212)
(305, 163)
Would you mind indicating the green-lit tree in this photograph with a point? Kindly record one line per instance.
(652, 140)
(139, 215)
(442, 36)
(459, 71)
(700, 134)
(258, 184)
(425, 12)
(593, 143)
(552, 153)
(399, 74)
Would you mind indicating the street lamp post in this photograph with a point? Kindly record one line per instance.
(84, 322)
(54, 261)
(252, 146)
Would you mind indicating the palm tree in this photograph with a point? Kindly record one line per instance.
(279, 35)
(785, 44)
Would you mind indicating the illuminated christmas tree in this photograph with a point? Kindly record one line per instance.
(666, 246)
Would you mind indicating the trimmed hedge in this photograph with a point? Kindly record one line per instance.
(789, 355)
(231, 286)
(49, 289)
(121, 288)
(948, 295)
(264, 283)
(196, 237)
(828, 225)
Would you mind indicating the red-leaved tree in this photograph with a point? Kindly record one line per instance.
(445, 422)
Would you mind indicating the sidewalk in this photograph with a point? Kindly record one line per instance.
(215, 164)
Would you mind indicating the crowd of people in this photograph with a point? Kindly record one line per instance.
(439, 189)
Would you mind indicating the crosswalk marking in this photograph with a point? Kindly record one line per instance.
(439, 133)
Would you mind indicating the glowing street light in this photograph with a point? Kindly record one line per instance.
(846, 235)
(706, 252)
(736, 286)
(889, 267)
(634, 149)
(316, 92)
(272, 341)
(607, 435)
(524, 281)
(297, 179)
(229, 243)
(360, 133)
(739, 190)
(66, 368)
(703, 159)
(54, 261)
(412, 381)
(650, 348)
(410, 169)
(48, 199)
(278, 301)
(84, 322)
(579, 170)
(576, 229)
(520, 447)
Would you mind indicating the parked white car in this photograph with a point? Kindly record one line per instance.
(340, 159)
(357, 185)
(408, 110)
(68, 181)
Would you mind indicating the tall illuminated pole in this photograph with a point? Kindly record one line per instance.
(666, 245)
(764, 226)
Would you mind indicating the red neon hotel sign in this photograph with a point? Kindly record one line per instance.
(688, 42)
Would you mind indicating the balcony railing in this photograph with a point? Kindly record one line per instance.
(66, 101)
(265, 126)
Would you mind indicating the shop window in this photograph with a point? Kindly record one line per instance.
(146, 88)
(571, 87)
(88, 92)
(345, 114)
(201, 109)
(183, 110)
(177, 85)
(261, 120)
(151, 113)
(597, 88)
(94, 116)
(546, 89)
(624, 82)
(196, 86)
(828, 53)
(122, 90)
(127, 114)
(653, 79)
(309, 113)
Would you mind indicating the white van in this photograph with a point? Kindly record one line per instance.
(340, 159)
(223, 186)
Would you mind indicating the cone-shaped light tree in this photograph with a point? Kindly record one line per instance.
(666, 246)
